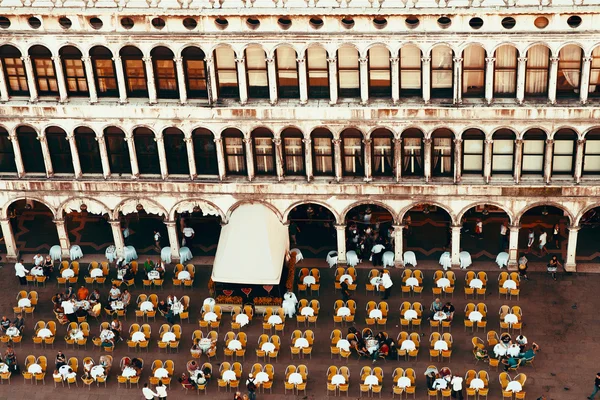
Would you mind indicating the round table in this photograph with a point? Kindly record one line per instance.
(96, 273)
(511, 319)
(410, 314)
(443, 283)
(513, 350)
(76, 334)
(298, 253)
(445, 260)
(13, 332)
(343, 312)
(146, 306)
(274, 320)
(129, 372)
(404, 382)
(242, 319)
(502, 259)
(161, 373)
(408, 345)
(64, 371)
(24, 302)
(55, 253)
(35, 369)
(295, 378)
(44, 333)
(117, 305)
(475, 316)
(261, 377)
(307, 311)
(477, 384)
(228, 376)
(68, 273)
(138, 337)
(309, 280)
(440, 345)
(165, 254)
(388, 259)
(509, 284)
(96, 371)
(184, 276)
(376, 314)
(168, 337)
(409, 258)
(412, 282)
(210, 302)
(37, 271)
(465, 259)
(210, 317)
(338, 380)
(440, 316)
(500, 350)
(185, 255)
(129, 254)
(268, 347)
(301, 343)
(371, 380)
(234, 344)
(440, 384)
(152, 275)
(343, 344)
(346, 277)
(107, 334)
(332, 258)
(476, 283)
(111, 253)
(351, 258)
(75, 252)
(514, 386)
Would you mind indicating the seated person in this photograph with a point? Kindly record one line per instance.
(380, 337)
(19, 322)
(160, 267)
(137, 364)
(125, 362)
(56, 375)
(482, 354)
(165, 310)
(195, 350)
(207, 373)
(68, 293)
(82, 293)
(88, 365)
(126, 297)
(148, 266)
(95, 310)
(192, 367)
(106, 362)
(57, 299)
(116, 327)
(186, 382)
(448, 309)
(431, 377)
(521, 341)
(393, 353)
(71, 374)
(80, 312)
(199, 378)
(505, 339)
(114, 293)
(384, 350)
(530, 354)
(128, 275)
(4, 324)
(435, 307)
(445, 373)
(108, 343)
(510, 363)
(94, 296)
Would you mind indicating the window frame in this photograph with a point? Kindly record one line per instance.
(316, 157)
(472, 136)
(243, 170)
(285, 147)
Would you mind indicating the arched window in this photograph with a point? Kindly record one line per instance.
(205, 152)
(505, 71)
(176, 150)
(594, 90)
(104, 72)
(7, 154)
(536, 76)
(264, 151)
(412, 152)
(43, 70)
(322, 152)
(235, 152)
(318, 73)
(348, 72)
(591, 158)
(534, 142)
(380, 84)
(256, 70)
(473, 140)
(441, 72)
(226, 73)
(89, 151)
(74, 71)
(569, 71)
(410, 71)
(60, 151)
(31, 150)
(382, 150)
(118, 151)
(195, 72)
(14, 71)
(563, 158)
(503, 150)
(293, 151)
(146, 151)
(352, 151)
(287, 73)
(442, 160)
(473, 71)
(135, 71)
(164, 73)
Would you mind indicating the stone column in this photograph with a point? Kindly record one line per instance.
(115, 225)
(513, 247)
(279, 159)
(549, 151)
(518, 159)
(487, 159)
(584, 86)
(63, 238)
(241, 73)
(89, 76)
(341, 242)
(458, 64)
(398, 159)
(571, 264)
(104, 156)
(3, 88)
(364, 80)
(308, 162)
(60, 79)
(12, 252)
(337, 155)
(18, 156)
(398, 246)
(181, 80)
(579, 160)
(368, 160)
(120, 79)
(427, 158)
(189, 146)
(220, 158)
(302, 80)
(211, 80)
(150, 76)
(46, 153)
(489, 79)
(74, 154)
(249, 158)
(426, 65)
(552, 80)
(272, 79)
(173, 240)
(31, 83)
(457, 160)
(333, 81)
(135, 170)
(395, 71)
(521, 71)
(455, 254)
(162, 155)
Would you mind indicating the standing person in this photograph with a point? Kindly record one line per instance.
(530, 240)
(543, 239)
(294, 230)
(188, 235)
(251, 386)
(237, 396)
(38, 260)
(553, 265)
(157, 240)
(596, 386)
(504, 236)
(148, 393)
(387, 283)
(48, 266)
(60, 360)
(345, 290)
(556, 236)
(161, 390)
(456, 383)
(20, 271)
(479, 229)
(523, 267)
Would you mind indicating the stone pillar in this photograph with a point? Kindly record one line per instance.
(173, 240)
(521, 71)
(364, 80)
(162, 155)
(308, 159)
(337, 157)
(220, 158)
(395, 71)
(150, 76)
(549, 151)
(570, 263)
(457, 160)
(398, 159)
(89, 76)
(189, 146)
(302, 80)
(181, 80)
(487, 159)
(518, 159)
(103, 156)
(211, 77)
(458, 66)
(46, 153)
(60, 79)
(272, 79)
(279, 159)
(455, 254)
(489, 79)
(241, 73)
(74, 154)
(579, 160)
(3, 88)
(426, 65)
(115, 225)
(31, 83)
(513, 247)
(120, 79)
(584, 86)
(12, 252)
(552, 80)
(340, 230)
(398, 246)
(333, 81)
(135, 170)
(18, 156)
(63, 238)
(427, 158)
(368, 160)
(249, 158)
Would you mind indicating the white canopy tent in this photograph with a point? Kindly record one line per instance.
(251, 248)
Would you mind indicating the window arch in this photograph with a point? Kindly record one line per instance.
(348, 72)
(227, 82)
(264, 151)
(380, 83)
(322, 140)
(412, 152)
(442, 152)
(60, 151)
(89, 151)
(352, 152)
(28, 141)
(205, 152)
(473, 79)
(594, 90)
(235, 151)
(569, 71)
(382, 150)
(537, 70)
(146, 151)
(473, 147)
(287, 73)
(256, 71)
(293, 151)
(104, 72)
(14, 71)
(591, 156)
(74, 71)
(410, 71)
(7, 154)
(118, 151)
(318, 72)
(503, 152)
(563, 157)
(442, 64)
(43, 70)
(176, 151)
(194, 67)
(164, 73)
(534, 142)
(135, 71)
(505, 71)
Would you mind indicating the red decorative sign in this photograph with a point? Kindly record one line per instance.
(268, 288)
(228, 293)
(247, 291)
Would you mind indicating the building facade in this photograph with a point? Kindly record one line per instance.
(169, 105)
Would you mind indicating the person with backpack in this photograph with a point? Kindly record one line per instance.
(251, 386)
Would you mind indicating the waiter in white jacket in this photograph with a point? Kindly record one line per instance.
(386, 281)
(21, 272)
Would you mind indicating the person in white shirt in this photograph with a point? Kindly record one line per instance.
(71, 375)
(456, 383)
(542, 243)
(148, 393)
(69, 311)
(21, 271)
(386, 281)
(157, 240)
(504, 236)
(530, 240)
(188, 235)
(38, 259)
(161, 390)
(114, 293)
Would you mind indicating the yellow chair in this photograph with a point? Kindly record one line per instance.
(397, 391)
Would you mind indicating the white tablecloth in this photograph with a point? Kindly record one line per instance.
(351, 258)
(96, 273)
(475, 316)
(514, 386)
(301, 343)
(376, 281)
(128, 372)
(185, 255)
(465, 259)
(388, 259)
(111, 253)
(268, 347)
(410, 314)
(161, 373)
(165, 254)
(511, 319)
(68, 273)
(117, 305)
(274, 320)
(408, 345)
(44, 333)
(242, 319)
(55, 253)
(404, 382)
(234, 344)
(3, 368)
(371, 380)
(343, 344)
(332, 258)
(440, 316)
(502, 259)
(76, 334)
(299, 256)
(228, 376)
(443, 283)
(509, 284)
(107, 334)
(184, 275)
(346, 277)
(261, 377)
(168, 337)
(412, 282)
(138, 337)
(152, 275)
(440, 384)
(13, 331)
(210, 317)
(410, 258)
(129, 254)
(513, 350)
(477, 384)
(343, 312)
(295, 378)
(500, 350)
(96, 371)
(35, 369)
(446, 261)
(440, 345)
(309, 280)
(37, 271)
(476, 283)
(64, 371)
(307, 311)
(147, 306)
(75, 252)
(24, 303)
(210, 302)
(338, 380)
(377, 314)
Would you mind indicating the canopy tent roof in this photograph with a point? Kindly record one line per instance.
(251, 247)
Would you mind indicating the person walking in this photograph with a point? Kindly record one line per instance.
(251, 386)
(523, 267)
(148, 393)
(157, 238)
(596, 387)
(543, 239)
(504, 236)
(556, 236)
(161, 390)
(345, 290)
(530, 240)
(553, 265)
(387, 283)
(21, 272)
(456, 383)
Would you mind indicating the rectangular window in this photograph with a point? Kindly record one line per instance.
(380, 84)
(323, 157)
(89, 153)
(591, 160)
(205, 154)
(441, 68)
(75, 76)
(502, 156)
(474, 71)
(536, 78)
(256, 68)
(166, 79)
(263, 154)
(412, 156)
(353, 160)
(473, 155)
(442, 156)
(7, 155)
(16, 78)
(569, 71)
(147, 154)
(118, 153)
(60, 153)
(318, 75)
(410, 70)
(287, 73)
(533, 156)
(383, 156)
(177, 156)
(196, 78)
(294, 155)
(595, 73)
(226, 73)
(505, 71)
(234, 154)
(348, 72)
(136, 78)
(562, 159)
(106, 79)
(45, 76)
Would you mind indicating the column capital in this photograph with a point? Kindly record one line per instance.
(490, 60)
(398, 227)
(573, 228)
(489, 141)
(248, 140)
(158, 138)
(457, 142)
(456, 227)
(86, 59)
(426, 59)
(13, 137)
(307, 141)
(427, 140)
(554, 59)
(147, 59)
(100, 139)
(367, 141)
(128, 136)
(58, 221)
(301, 60)
(170, 224)
(70, 136)
(56, 58)
(394, 60)
(178, 60)
(188, 139)
(581, 141)
(336, 141)
(340, 227)
(116, 58)
(514, 228)
(277, 141)
(363, 60)
(218, 140)
(240, 60)
(26, 58)
(397, 140)
(209, 60)
(114, 222)
(518, 141)
(332, 60)
(41, 137)
(587, 59)
(457, 59)
(269, 60)
(549, 141)
(522, 59)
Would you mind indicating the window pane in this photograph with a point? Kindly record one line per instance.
(106, 80)
(383, 156)
(205, 153)
(412, 158)
(473, 146)
(293, 155)
(533, 146)
(147, 153)
(234, 150)
(591, 163)
(353, 163)
(502, 163)
(89, 153)
(75, 76)
(323, 158)
(15, 76)
(536, 79)
(533, 163)
(118, 153)
(176, 151)
(503, 146)
(263, 153)
(7, 155)
(473, 163)
(562, 163)
(60, 153)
